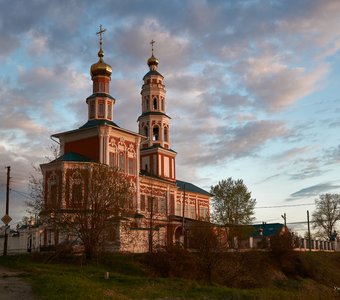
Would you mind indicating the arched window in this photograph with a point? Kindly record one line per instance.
(162, 104)
(146, 131)
(147, 104)
(166, 137)
(155, 104)
(155, 133)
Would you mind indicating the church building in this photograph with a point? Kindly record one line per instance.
(145, 157)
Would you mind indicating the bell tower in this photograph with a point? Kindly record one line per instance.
(157, 158)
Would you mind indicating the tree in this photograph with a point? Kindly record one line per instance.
(208, 241)
(233, 207)
(327, 214)
(36, 190)
(36, 187)
(94, 207)
(232, 203)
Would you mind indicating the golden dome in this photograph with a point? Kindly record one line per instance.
(152, 61)
(101, 68)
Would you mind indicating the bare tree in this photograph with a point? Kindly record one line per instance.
(327, 214)
(36, 187)
(208, 241)
(93, 209)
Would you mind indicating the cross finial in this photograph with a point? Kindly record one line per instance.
(152, 43)
(100, 32)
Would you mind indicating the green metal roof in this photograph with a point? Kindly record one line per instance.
(94, 95)
(95, 123)
(153, 73)
(268, 229)
(72, 156)
(157, 146)
(153, 113)
(189, 187)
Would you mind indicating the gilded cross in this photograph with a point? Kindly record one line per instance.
(100, 32)
(151, 43)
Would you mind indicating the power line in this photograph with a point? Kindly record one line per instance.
(22, 194)
(288, 205)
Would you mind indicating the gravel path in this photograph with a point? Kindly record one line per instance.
(13, 287)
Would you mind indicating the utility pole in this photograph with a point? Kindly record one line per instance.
(285, 220)
(309, 241)
(183, 219)
(6, 219)
(151, 224)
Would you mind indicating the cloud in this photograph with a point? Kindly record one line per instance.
(313, 190)
(290, 153)
(216, 144)
(274, 85)
(332, 155)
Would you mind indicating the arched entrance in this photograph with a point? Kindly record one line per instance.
(178, 235)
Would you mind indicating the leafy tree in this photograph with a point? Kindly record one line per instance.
(91, 214)
(232, 203)
(232, 207)
(327, 214)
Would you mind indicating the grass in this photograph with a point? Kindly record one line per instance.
(129, 279)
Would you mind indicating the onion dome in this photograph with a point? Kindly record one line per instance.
(101, 68)
(152, 61)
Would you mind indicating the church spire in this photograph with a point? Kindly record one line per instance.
(100, 103)
(100, 32)
(152, 61)
(101, 68)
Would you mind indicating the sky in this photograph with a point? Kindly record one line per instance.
(252, 89)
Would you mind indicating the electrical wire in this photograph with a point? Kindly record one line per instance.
(288, 205)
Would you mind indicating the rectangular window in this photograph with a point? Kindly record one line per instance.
(101, 112)
(192, 214)
(109, 111)
(142, 202)
(178, 209)
(155, 205)
(150, 203)
(204, 213)
(122, 161)
(77, 195)
(162, 205)
(131, 165)
(92, 110)
(53, 195)
(112, 159)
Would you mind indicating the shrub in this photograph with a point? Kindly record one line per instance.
(172, 261)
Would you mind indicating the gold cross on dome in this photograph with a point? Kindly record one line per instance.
(100, 32)
(152, 43)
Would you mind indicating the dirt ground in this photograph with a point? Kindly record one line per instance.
(13, 286)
